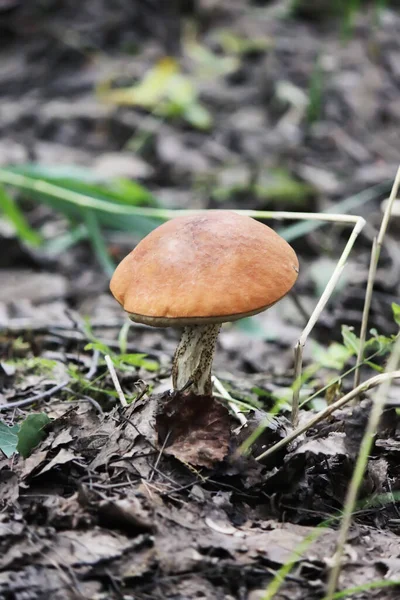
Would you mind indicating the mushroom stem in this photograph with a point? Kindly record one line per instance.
(193, 359)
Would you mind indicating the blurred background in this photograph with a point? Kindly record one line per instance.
(112, 110)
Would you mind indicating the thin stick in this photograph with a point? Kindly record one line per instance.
(154, 468)
(79, 199)
(361, 465)
(84, 398)
(363, 387)
(34, 398)
(376, 251)
(298, 351)
(232, 405)
(367, 304)
(116, 382)
(93, 365)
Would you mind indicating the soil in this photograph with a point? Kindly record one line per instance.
(101, 509)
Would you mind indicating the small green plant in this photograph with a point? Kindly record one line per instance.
(23, 438)
(333, 359)
(34, 364)
(122, 360)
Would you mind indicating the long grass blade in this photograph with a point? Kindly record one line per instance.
(97, 240)
(14, 214)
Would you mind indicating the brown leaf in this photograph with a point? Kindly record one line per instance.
(198, 428)
(88, 547)
(127, 514)
(61, 458)
(32, 464)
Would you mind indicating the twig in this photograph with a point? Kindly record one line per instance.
(154, 468)
(375, 254)
(85, 398)
(298, 351)
(178, 489)
(225, 394)
(361, 465)
(93, 365)
(79, 199)
(367, 304)
(116, 382)
(297, 302)
(141, 392)
(132, 424)
(363, 387)
(167, 477)
(34, 398)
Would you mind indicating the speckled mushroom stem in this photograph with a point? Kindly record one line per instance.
(193, 359)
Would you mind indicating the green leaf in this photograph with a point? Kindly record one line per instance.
(139, 360)
(8, 439)
(396, 312)
(149, 91)
(381, 343)
(164, 91)
(350, 340)
(333, 357)
(62, 243)
(14, 214)
(198, 116)
(31, 433)
(103, 348)
(374, 366)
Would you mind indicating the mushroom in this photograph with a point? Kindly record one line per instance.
(198, 272)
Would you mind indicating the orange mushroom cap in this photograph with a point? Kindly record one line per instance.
(209, 267)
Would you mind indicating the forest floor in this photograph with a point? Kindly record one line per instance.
(292, 113)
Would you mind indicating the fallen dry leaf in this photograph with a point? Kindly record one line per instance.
(127, 514)
(63, 456)
(195, 429)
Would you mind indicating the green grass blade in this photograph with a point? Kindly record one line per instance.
(97, 240)
(350, 8)
(81, 180)
(373, 585)
(300, 229)
(79, 200)
(279, 578)
(14, 214)
(111, 214)
(62, 243)
(315, 93)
